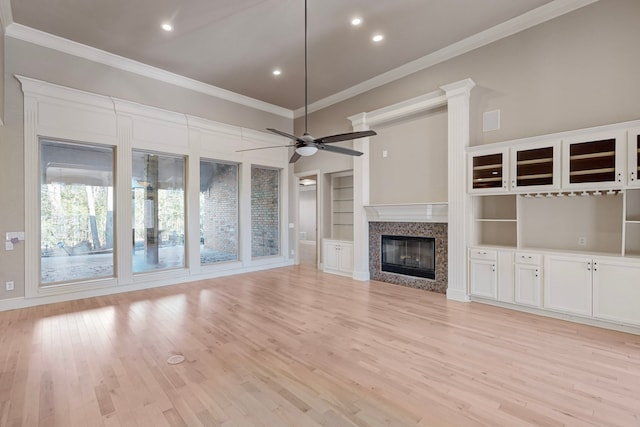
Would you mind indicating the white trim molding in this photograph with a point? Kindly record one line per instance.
(409, 212)
(520, 23)
(31, 35)
(456, 97)
(6, 15)
(55, 111)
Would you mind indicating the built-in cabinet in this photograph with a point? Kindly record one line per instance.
(594, 160)
(488, 171)
(616, 291)
(536, 166)
(569, 283)
(633, 157)
(528, 279)
(556, 223)
(337, 248)
(342, 206)
(338, 257)
(483, 274)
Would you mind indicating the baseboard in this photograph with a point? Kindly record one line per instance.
(631, 329)
(361, 276)
(457, 295)
(22, 302)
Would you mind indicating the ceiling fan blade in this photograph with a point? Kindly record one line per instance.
(279, 132)
(340, 150)
(263, 148)
(294, 158)
(344, 136)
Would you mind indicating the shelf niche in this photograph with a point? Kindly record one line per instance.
(559, 222)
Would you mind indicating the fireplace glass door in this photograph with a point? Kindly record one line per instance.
(411, 256)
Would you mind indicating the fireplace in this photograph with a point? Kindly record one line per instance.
(411, 256)
(419, 229)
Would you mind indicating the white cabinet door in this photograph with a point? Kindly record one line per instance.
(506, 277)
(633, 158)
(346, 257)
(527, 285)
(568, 284)
(483, 278)
(488, 171)
(616, 292)
(536, 166)
(594, 161)
(338, 257)
(331, 260)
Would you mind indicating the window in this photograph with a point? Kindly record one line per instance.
(158, 215)
(76, 212)
(218, 212)
(265, 212)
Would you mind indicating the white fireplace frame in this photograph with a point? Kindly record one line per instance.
(455, 97)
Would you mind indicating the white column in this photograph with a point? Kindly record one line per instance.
(360, 199)
(458, 94)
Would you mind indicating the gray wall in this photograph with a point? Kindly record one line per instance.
(45, 64)
(578, 70)
(416, 150)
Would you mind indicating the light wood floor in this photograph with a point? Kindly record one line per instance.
(294, 347)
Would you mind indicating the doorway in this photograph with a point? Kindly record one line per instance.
(308, 220)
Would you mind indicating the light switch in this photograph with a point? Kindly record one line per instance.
(8, 246)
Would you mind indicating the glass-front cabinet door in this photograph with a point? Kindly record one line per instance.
(594, 161)
(488, 171)
(536, 167)
(633, 158)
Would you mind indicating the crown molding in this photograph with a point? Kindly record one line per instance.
(31, 35)
(6, 16)
(520, 23)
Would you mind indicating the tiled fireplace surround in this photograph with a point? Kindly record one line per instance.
(413, 229)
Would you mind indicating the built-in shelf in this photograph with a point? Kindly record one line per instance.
(342, 206)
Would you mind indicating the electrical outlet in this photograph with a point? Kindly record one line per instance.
(9, 285)
(582, 241)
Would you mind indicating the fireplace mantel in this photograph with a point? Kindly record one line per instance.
(409, 212)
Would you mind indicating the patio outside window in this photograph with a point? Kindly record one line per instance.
(76, 212)
(158, 215)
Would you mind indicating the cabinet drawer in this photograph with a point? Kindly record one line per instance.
(479, 253)
(528, 258)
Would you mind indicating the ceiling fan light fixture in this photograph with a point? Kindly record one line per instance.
(307, 150)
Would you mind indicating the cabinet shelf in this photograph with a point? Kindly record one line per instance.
(535, 176)
(592, 171)
(593, 155)
(485, 167)
(534, 161)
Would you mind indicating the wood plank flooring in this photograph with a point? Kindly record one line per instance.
(296, 347)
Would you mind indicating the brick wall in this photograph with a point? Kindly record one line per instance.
(265, 212)
(220, 211)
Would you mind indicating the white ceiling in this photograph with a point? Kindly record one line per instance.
(235, 44)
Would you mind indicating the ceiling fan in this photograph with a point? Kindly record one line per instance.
(307, 145)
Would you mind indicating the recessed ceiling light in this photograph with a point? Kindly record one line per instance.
(277, 72)
(377, 38)
(356, 21)
(167, 27)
